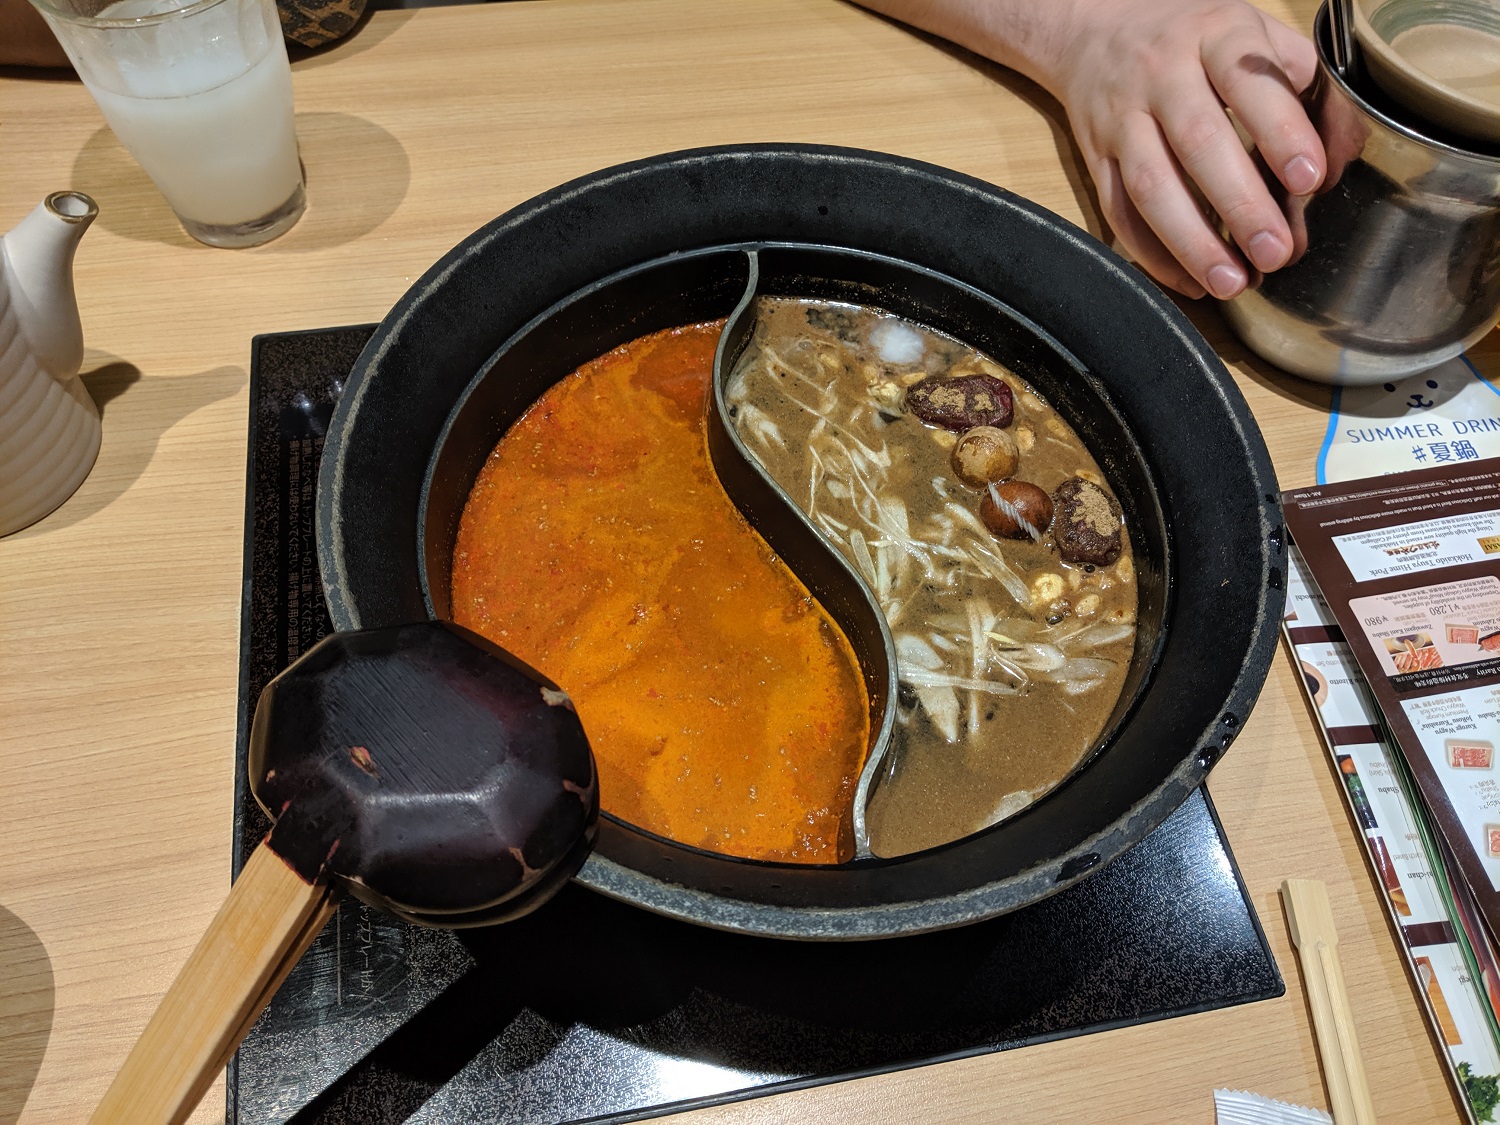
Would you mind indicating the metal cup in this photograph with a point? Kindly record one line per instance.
(1396, 260)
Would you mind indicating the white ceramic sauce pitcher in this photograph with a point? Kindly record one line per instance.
(49, 426)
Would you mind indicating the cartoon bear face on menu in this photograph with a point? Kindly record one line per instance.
(1448, 415)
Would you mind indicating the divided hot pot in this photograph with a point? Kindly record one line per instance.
(686, 238)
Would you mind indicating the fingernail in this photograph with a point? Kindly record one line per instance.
(1225, 281)
(1266, 251)
(1300, 175)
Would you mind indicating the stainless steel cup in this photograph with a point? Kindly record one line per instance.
(1396, 265)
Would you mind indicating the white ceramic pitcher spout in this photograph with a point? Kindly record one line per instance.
(49, 426)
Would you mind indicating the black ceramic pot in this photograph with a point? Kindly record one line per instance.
(630, 250)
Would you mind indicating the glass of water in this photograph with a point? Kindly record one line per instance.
(200, 92)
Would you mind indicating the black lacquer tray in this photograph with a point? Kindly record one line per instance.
(594, 1010)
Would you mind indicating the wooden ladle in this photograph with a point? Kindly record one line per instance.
(421, 768)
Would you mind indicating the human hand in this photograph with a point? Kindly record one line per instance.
(1146, 86)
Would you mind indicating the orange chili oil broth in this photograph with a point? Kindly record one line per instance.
(725, 708)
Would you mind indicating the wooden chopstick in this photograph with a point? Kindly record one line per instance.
(1310, 918)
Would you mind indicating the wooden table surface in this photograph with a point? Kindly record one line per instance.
(119, 613)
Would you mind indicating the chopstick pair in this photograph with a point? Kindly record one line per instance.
(1310, 917)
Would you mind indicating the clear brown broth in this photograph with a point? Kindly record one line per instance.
(814, 397)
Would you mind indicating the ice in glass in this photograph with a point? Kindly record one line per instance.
(201, 95)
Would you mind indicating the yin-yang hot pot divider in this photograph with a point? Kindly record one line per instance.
(671, 240)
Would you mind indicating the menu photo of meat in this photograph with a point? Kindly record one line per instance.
(1409, 566)
(1413, 652)
(1411, 629)
(1469, 753)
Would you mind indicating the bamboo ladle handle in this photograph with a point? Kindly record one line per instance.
(266, 923)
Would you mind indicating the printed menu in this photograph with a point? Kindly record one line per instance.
(1409, 565)
(1451, 958)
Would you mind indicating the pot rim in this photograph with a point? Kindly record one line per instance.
(402, 329)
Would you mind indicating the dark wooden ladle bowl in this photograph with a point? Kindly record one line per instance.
(421, 768)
